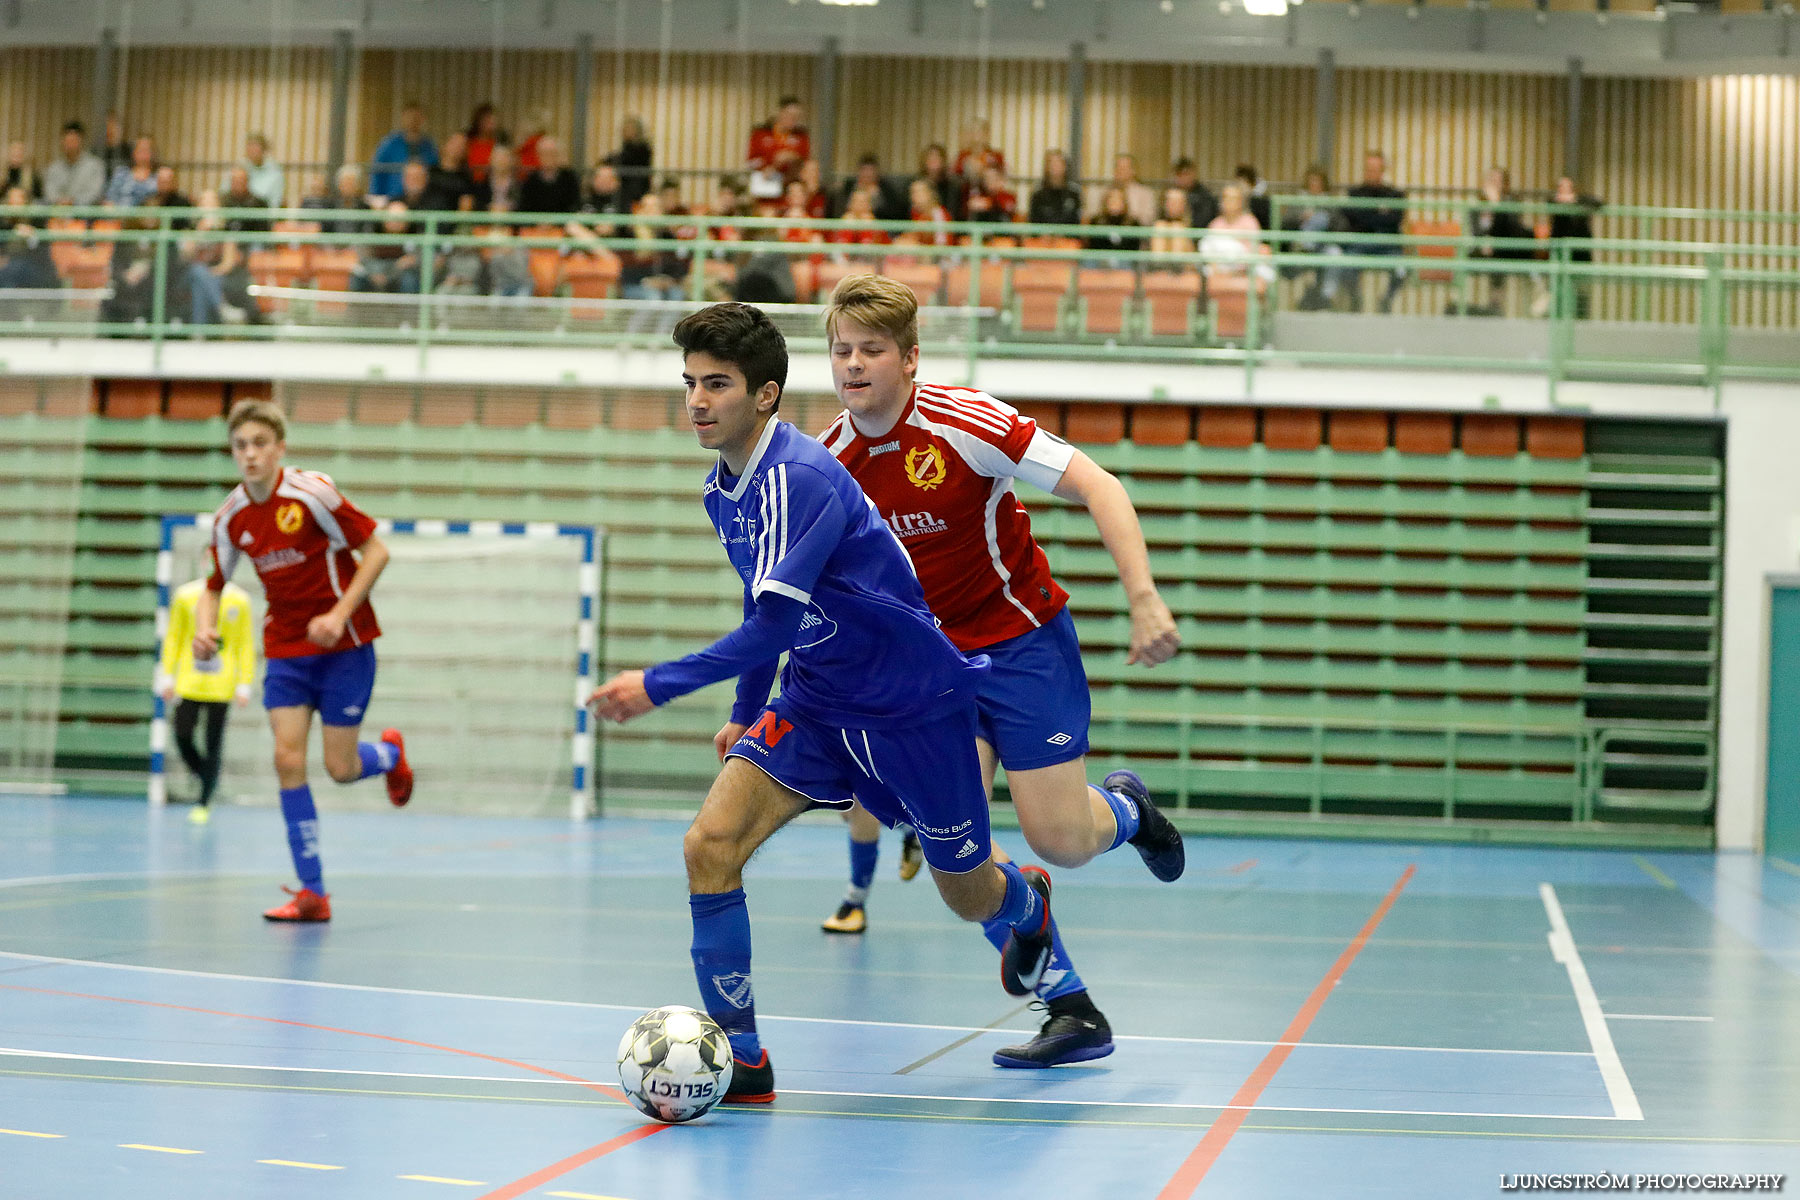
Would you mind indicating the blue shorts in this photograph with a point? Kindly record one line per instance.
(337, 685)
(1033, 700)
(927, 776)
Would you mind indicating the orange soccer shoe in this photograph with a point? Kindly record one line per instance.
(400, 779)
(306, 905)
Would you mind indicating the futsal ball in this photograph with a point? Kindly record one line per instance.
(674, 1063)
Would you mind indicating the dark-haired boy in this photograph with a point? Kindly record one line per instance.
(875, 701)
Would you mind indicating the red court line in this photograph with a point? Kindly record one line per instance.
(536, 1179)
(1191, 1172)
(615, 1093)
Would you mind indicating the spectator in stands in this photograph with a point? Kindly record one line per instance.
(1169, 238)
(1326, 283)
(818, 204)
(991, 199)
(885, 201)
(633, 160)
(926, 209)
(650, 273)
(1256, 193)
(1232, 241)
(777, 148)
(796, 205)
(449, 184)
(75, 176)
(20, 173)
(168, 194)
(1572, 224)
(1104, 226)
(1140, 200)
(1386, 220)
(508, 266)
(218, 273)
(1504, 237)
(25, 260)
(1055, 202)
(238, 195)
(538, 130)
(934, 168)
(977, 154)
(133, 184)
(605, 197)
(503, 182)
(409, 143)
(485, 136)
(391, 266)
(1203, 206)
(553, 187)
(350, 197)
(114, 150)
(133, 280)
(861, 207)
(267, 179)
(765, 276)
(415, 187)
(668, 199)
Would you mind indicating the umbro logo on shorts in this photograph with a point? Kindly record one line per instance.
(353, 710)
(1059, 739)
(968, 847)
(244, 539)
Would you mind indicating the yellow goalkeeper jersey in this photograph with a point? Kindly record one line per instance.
(234, 667)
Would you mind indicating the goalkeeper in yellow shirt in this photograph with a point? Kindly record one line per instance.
(203, 687)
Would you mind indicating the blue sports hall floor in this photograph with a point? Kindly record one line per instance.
(1294, 1018)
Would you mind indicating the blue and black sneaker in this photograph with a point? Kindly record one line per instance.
(1027, 956)
(751, 1083)
(1157, 840)
(1074, 1031)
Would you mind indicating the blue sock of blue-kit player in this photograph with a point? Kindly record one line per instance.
(722, 967)
(863, 857)
(378, 758)
(303, 836)
(1023, 908)
(1060, 977)
(1125, 815)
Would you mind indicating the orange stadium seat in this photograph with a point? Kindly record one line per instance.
(1105, 299)
(1161, 424)
(924, 279)
(133, 398)
(1555, 437)
(282, 267)
(1230, 303)
(1172, 299)
(592, 276)
(1421, 227)
(1095, 423)
(1485, 435)
(993, 284)
(195, 400)
(1039, 290)
(1358, 431)
(1297, 428)
(1226, 427)
(1422, 433)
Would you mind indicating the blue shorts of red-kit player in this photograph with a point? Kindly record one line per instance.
(1033, 700)
(337, 686)
(927, 775)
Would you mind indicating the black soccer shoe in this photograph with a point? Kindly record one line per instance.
(1075, 1031)
(1027, 956)
(751, 1083)
(1157, 840)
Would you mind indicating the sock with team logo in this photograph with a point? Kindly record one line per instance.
(1060, 977)
(1023, 908)
(303, 836)
(378, 758)
(721, 953)
(863, 857)
(1125, 815)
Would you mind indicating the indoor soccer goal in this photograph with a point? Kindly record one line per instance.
(489, 645)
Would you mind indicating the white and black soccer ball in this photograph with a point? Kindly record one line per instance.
(674, 1063)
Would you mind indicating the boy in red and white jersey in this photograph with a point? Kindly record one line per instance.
(938, 463)
(299, 533)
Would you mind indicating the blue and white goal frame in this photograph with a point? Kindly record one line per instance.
(587, 633)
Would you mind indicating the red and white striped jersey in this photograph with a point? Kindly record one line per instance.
(942, 479)
(299, 540)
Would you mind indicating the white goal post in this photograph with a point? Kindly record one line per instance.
(481, 623)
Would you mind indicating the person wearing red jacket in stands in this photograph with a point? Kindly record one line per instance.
(777, 148)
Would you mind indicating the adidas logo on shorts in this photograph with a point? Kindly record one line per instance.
(968, 847)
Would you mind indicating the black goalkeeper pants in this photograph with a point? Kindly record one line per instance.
(205, 766)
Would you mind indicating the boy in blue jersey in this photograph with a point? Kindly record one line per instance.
(875, 702)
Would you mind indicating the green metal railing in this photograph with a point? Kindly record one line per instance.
(1708, 286)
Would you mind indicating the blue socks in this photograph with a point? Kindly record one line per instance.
(863, 856)
(1023, 908)
(721, 953)
(1125, 816)
(1060, 977)
(303, 836)
(378, 758)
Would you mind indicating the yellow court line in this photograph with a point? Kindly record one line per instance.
(30, 1133)
(1653, 871)
(1783, 865)
(441, 1179)
(158, 1149)
(288, 1162)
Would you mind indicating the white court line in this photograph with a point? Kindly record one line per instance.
(1612, 1071)
(104, 876)
(1650, 1017)
(575, 1083)
(639, 1008)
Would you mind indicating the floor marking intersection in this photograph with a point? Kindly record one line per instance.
(1612, 1070)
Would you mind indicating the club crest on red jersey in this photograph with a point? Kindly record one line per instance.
(288, 518)
(926, 466)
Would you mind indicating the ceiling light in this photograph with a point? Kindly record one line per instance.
(1266, 8)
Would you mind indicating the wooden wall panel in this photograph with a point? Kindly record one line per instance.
(450, 83)
(1224, 115)
(40, 88)
(1443, 129)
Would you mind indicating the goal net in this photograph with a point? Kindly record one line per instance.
(487, 652)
